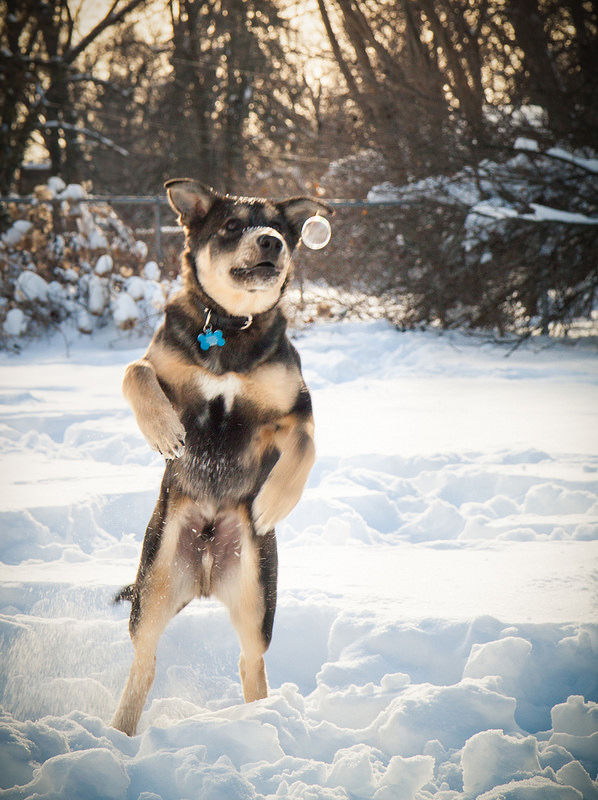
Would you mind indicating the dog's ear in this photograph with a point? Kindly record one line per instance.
(298, 209)
(190, 199)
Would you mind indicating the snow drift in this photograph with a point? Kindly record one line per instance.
(436, 635)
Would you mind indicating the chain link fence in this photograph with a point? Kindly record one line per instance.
(415, 260)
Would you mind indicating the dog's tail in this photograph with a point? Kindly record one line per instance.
(126, 593)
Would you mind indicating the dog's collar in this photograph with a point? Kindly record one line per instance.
(226, 321)
(214, 338)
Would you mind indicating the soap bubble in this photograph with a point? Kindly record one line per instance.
(316, 232)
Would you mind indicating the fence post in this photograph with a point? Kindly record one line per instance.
(158, 228)
(57, 221)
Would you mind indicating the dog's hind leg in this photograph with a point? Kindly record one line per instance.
(156, 609)
(160, 592)
(254, 621)
(251, 600)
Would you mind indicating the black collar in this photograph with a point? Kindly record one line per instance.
(212, 319)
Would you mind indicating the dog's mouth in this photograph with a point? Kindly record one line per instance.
(263, 272)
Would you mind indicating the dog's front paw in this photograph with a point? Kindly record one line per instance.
(165, 434)
(262, 524)
(265, 511)
(171, 448)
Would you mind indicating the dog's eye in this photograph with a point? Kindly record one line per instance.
(233, 225)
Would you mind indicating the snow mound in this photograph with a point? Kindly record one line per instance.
(435, 637)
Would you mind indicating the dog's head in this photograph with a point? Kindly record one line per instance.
(239, 248)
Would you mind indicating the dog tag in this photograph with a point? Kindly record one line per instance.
(316, 232)
(210, 338)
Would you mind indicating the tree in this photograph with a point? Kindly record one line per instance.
(40, 81)
(441, 83)
(557, 45)
(413, 70)
(445, 89)
(238, 100)
(126, 107)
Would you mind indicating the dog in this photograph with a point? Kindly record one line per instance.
(220, 394)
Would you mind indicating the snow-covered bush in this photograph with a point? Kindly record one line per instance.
(17, 231)
(65, 260)
(504, 245)
(31, 286)
(61, 259)
(15, 322)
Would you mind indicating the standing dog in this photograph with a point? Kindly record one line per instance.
(220, 394)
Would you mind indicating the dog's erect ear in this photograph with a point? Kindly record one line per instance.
(298, 209)
(190, 199)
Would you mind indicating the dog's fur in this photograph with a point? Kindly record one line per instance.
(234, 423)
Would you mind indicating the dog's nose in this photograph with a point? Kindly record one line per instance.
(271, 245)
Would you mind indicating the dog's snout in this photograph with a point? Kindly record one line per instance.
(270, 245)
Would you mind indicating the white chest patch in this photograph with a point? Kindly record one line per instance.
(227, 386)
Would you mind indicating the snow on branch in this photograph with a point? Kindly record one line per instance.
(531, 146)
(540, 214)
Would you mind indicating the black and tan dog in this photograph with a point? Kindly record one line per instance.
(220, 394)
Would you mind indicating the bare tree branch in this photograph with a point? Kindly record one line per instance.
(112, 18)
(86, 132)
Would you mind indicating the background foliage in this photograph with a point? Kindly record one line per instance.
(335, 97)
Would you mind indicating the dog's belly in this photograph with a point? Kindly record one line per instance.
(226, 457)
(211, 548)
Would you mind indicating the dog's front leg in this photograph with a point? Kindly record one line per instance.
(285, 483)
(156, 418)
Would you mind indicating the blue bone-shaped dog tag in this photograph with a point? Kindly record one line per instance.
(210, 338)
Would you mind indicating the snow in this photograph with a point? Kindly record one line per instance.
(125, 310)
(96, 240)
(73, 192)
(104, 265)
(84, 321)
(490, 756)
(98, 294)
(135, 287)
(487, 204)
(17, 231)
(436, 634)
(153, 294)
(56, 185)
(151, 270)
(31, 286)
(575, 716)
(15, 323)
(525, 143)
(590, 164)
(531, 145)
(91, 294)
(540, 214)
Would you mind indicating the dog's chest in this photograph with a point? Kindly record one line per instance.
(229, 387)
(229, 421)
(271, 389)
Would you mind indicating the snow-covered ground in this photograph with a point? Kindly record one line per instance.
(437, 628)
